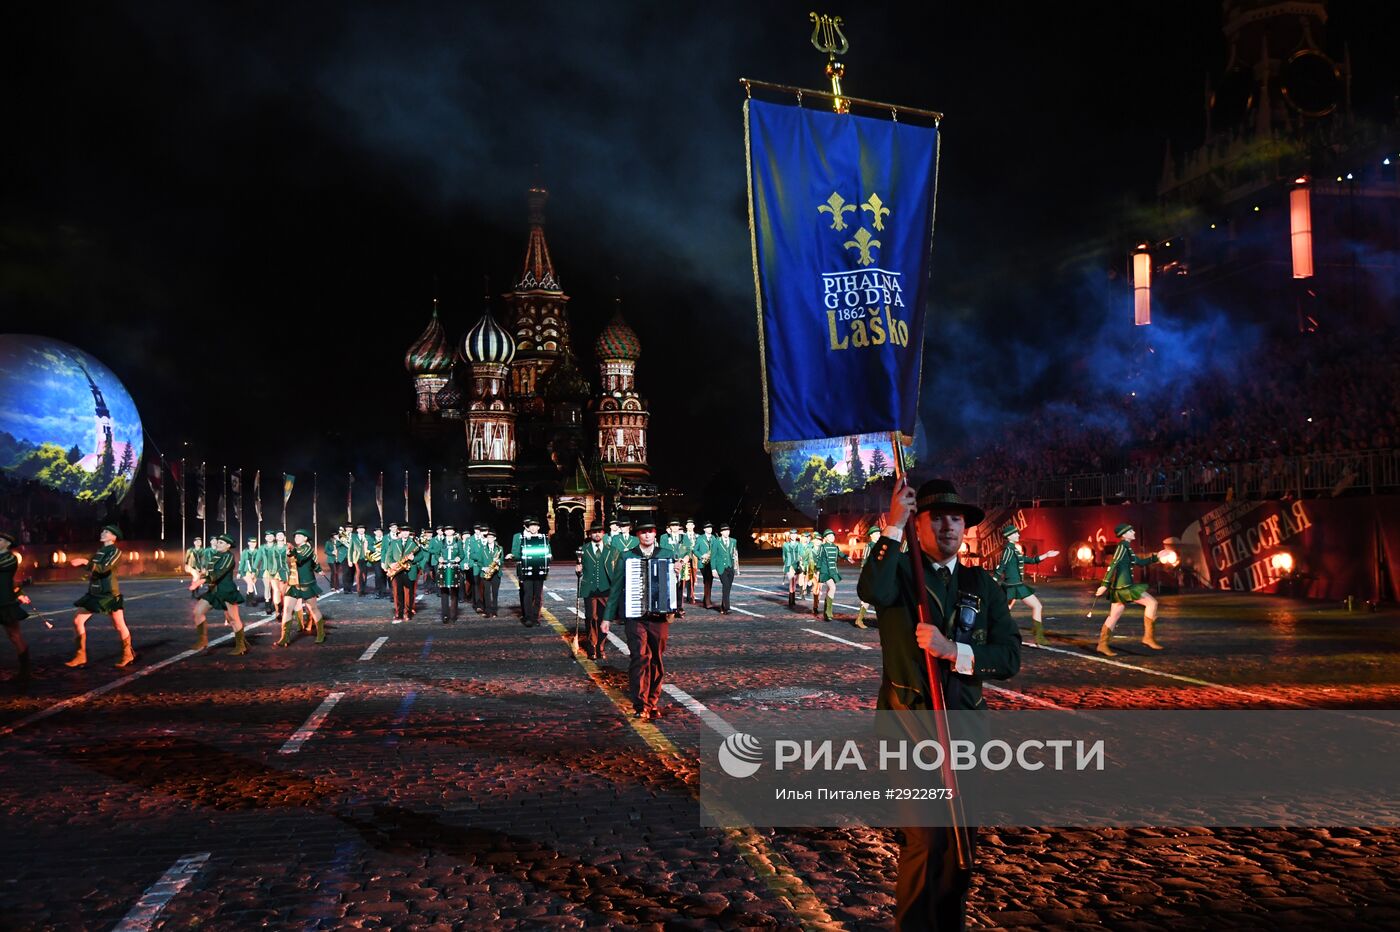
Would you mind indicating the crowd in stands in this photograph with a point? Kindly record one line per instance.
(1323, 394)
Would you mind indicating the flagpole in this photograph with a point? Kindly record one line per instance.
(405, 497)
(223, 499)
(315, 531)
(183, 545)
(204, 490)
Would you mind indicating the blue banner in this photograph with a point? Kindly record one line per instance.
(841, 219)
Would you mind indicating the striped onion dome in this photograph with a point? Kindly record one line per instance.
(618, 341)
(488, 342)
(430, 354)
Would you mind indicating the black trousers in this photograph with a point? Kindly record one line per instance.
(479, 593)
(490, 595)
(452, 594)
(469, 585)
(646, 639)
(709, 576)
(381, 582)
(930, 892)
(404, 594)
(726, 579)
(531, 592)
(593, 639)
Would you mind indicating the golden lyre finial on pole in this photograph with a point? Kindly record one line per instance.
(827, 37)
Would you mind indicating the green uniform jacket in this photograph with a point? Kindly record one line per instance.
(723, 554)
(886, 583)
(334, 553)
(196, 558)
(274, 563)
(828, 558)
(790, 555)
(596, 578)
(222, 588)
(619, 579)
(678, 545)
(1119, 575)
(250, 561)
(358, 547)
(393, 549)
(702, 549)
(492, 553)
(806, 557)
(423, 558)
(476, 550)
(304, 586)
(1011, 571)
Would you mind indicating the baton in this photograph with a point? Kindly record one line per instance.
(1092, 602)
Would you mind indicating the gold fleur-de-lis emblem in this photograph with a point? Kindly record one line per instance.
(864, 243)
(876, 207)
(836, 206)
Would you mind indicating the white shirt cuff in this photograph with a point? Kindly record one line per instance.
(894, 532)
(964, 661)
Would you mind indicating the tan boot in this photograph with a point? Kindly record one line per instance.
(860, 618)
(240, 642)
(201, 636)
(79, 651)
(286, 640)
(128, 655)
(1104, 634)
(1147, 638)
(1038, 634)
(320, 630)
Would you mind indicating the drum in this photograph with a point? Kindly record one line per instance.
(447, 574)
(534, 557)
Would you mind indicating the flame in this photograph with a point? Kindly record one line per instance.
(1170, 558)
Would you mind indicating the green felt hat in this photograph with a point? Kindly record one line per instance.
(1009, 530)
(303, 532)
(874, 530)
(225, 538)
(1122, 529)
(114, 529)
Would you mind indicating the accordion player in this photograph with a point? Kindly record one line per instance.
(649, 587)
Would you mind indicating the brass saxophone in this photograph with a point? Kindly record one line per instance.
(404, 562)
(493, 567)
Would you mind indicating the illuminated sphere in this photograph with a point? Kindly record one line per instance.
(67, 422)
(487, 342)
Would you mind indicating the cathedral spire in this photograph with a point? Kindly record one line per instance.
(538, 272)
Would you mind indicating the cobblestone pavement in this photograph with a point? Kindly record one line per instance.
(480, 775)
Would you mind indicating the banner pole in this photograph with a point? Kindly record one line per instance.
(935, 669)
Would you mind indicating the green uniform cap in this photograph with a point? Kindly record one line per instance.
(114, 529)
(1009, 530)
(1122, 529)
(225, 538)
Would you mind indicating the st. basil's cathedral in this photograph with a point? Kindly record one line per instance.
(536, 437)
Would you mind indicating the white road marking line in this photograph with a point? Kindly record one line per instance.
(576, 611)
(554, 595)
(1172, 676)
(374, 648)
(309, 727)
(835, 638)
(619, 644)
(1026, 696)
(143, 915)
(118, 683)
(699, 709)
(746, 611)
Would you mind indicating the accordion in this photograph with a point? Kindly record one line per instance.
(534, 557)
(649, 587)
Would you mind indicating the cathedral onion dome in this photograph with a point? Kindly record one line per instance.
(488, 342)
(565, 382)
(618, 341)
(430, 354)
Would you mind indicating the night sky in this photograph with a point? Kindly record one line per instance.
(245, 210)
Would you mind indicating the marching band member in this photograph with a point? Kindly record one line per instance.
(790, 564)
(493, 556)
(222, 593)
(12, 602)
(336, 553)
(476, 554)
(359, 552)
(374, 560)
(692, 559)
(1010, 573)
(430, 543)
(195, 558)
(447, 565)
(724, 562)
(828, 558)
(531, 585)
(646, 636)
(594, 589)
(266, 559)
(703, 543)
(250, 568)
(302, 590)
(1118, 583)
(103, 597)
(804, 565)
(389, 554)
(676, 542)
(865, 607)
(405, 580)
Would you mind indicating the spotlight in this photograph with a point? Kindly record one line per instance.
(1349, 176)
(1282, 562)
(1256, 206)
(1084, 554)
(1386, 160)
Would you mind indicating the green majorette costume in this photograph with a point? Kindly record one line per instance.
(1119, 576)
(304, 587)
(223, 590)
(104, 594)
(828, 558)
(969, 608)
(1010, 572)
(874, 535)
